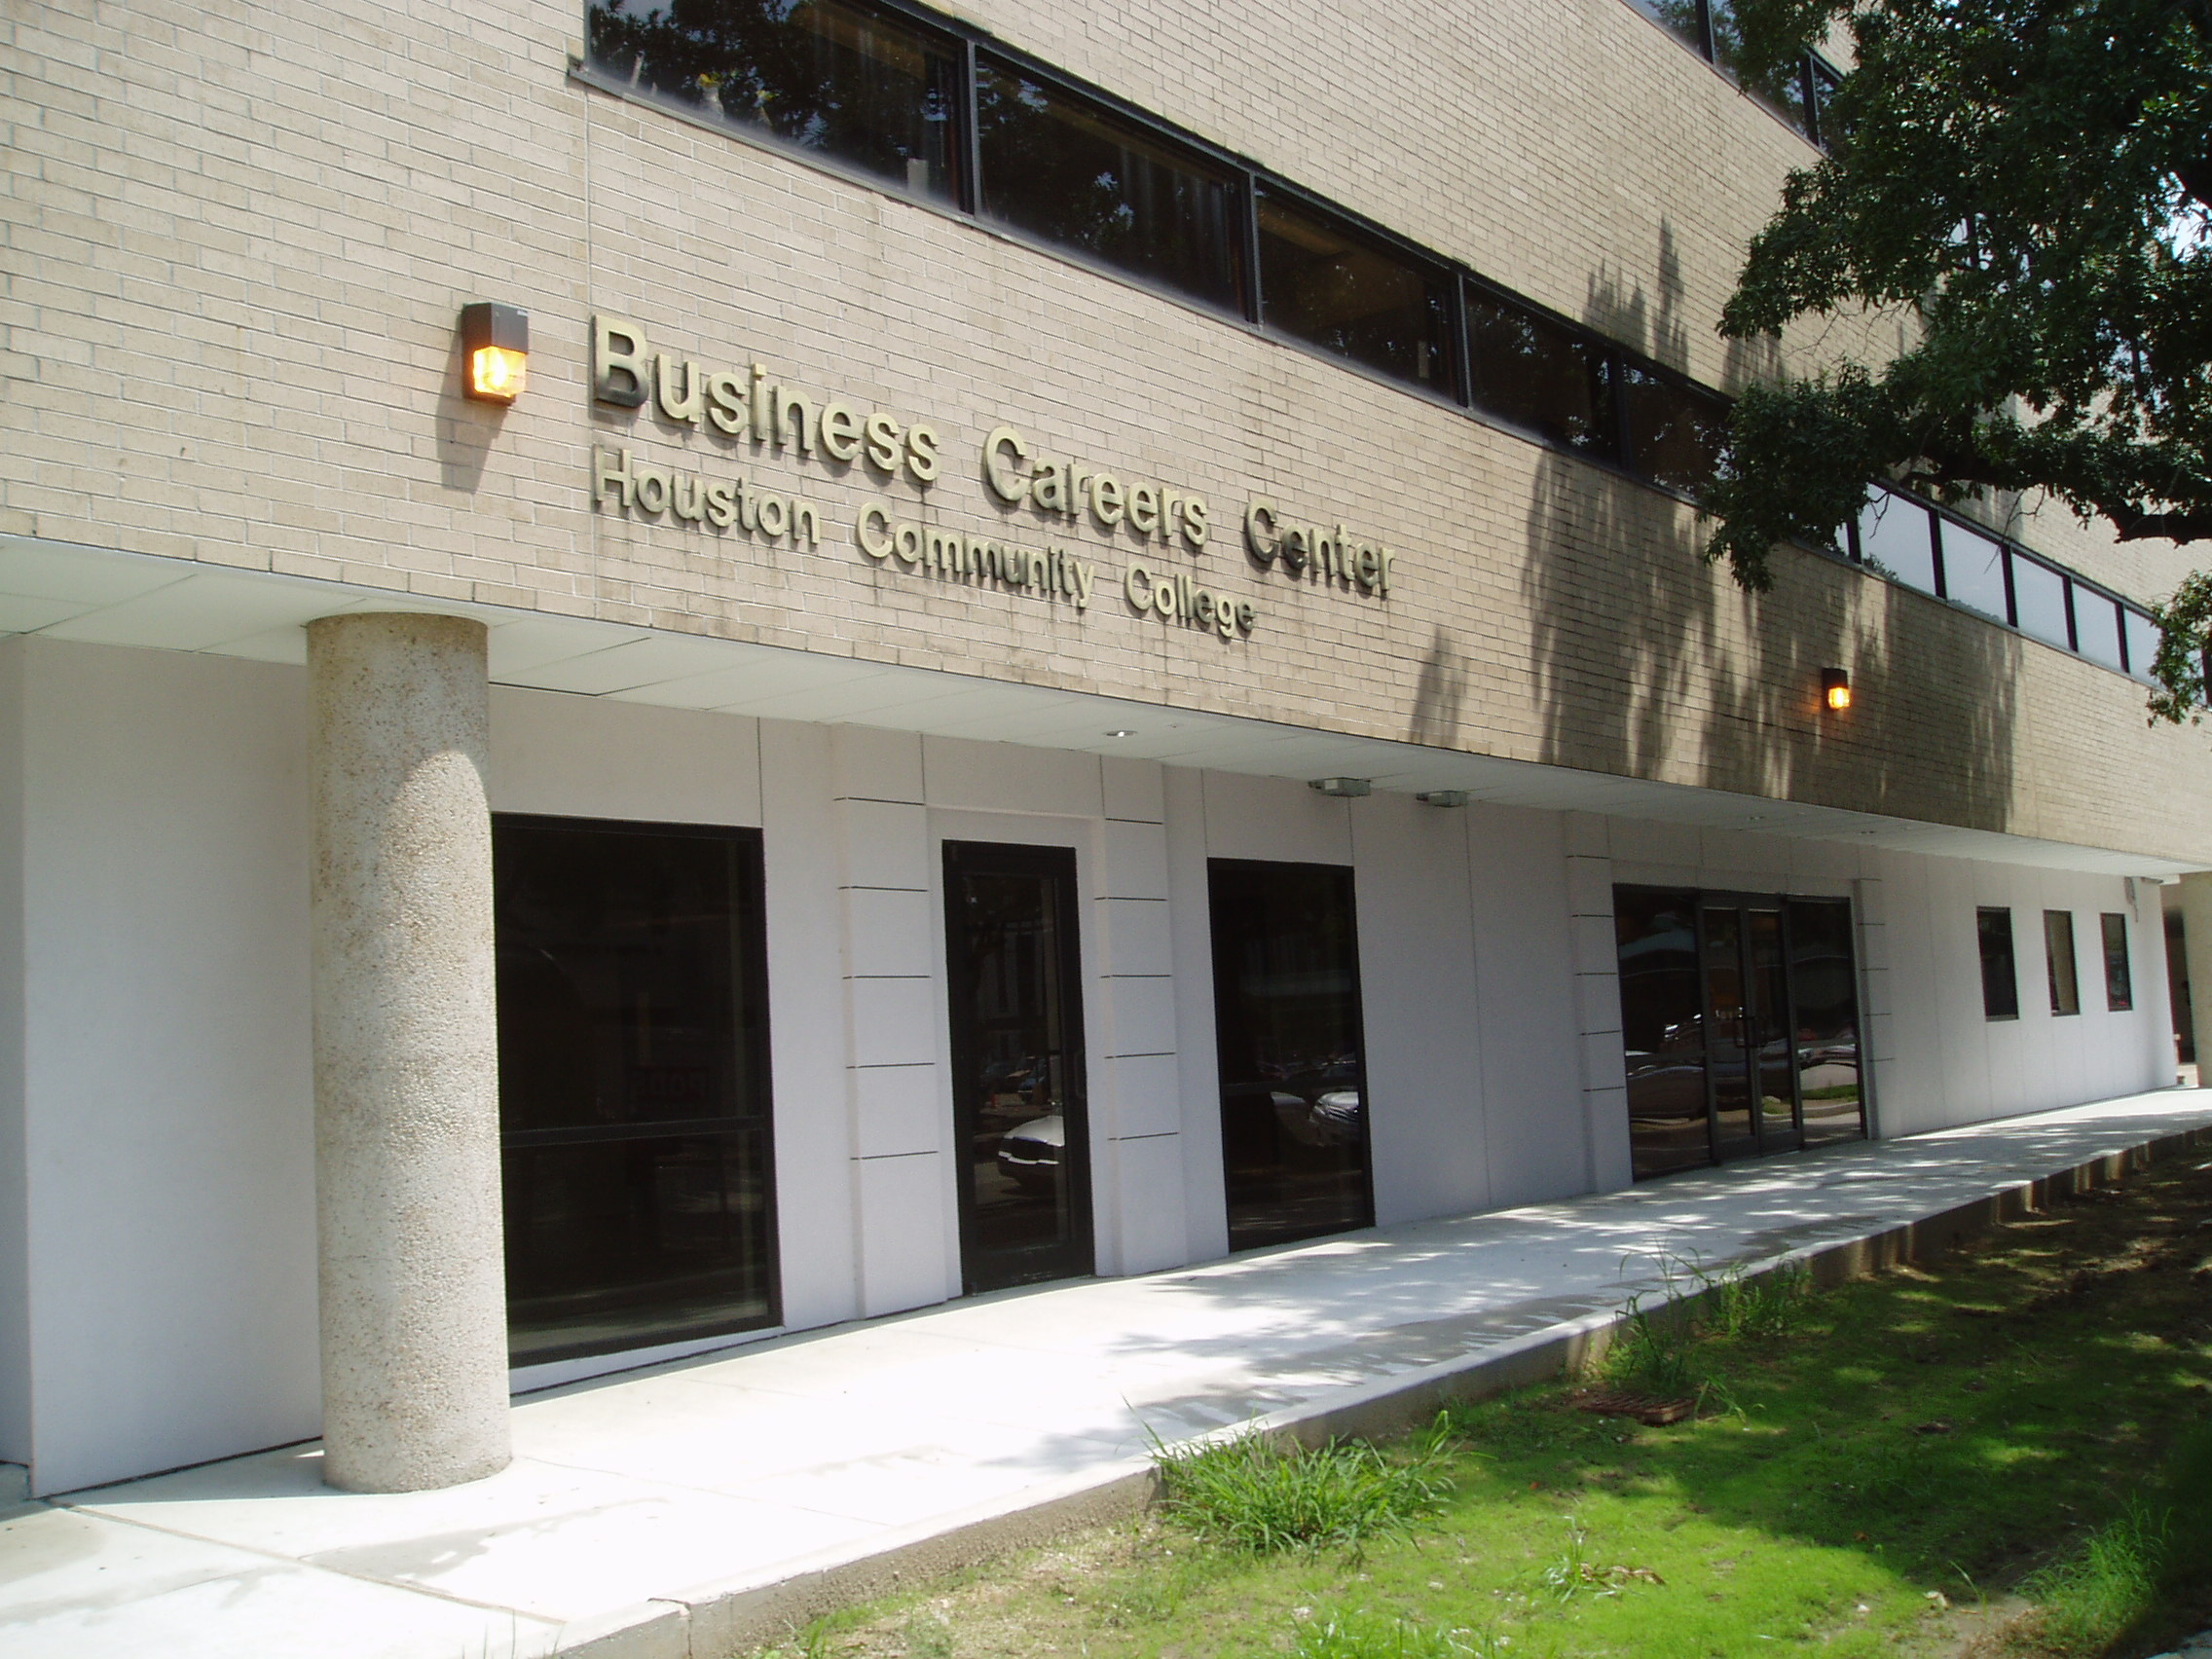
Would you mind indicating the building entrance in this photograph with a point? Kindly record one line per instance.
(1013, 969)
(1740, 1017)
(1294, 1136)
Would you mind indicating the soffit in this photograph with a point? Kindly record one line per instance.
(98, 597)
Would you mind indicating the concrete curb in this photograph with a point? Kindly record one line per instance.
(718, 1619)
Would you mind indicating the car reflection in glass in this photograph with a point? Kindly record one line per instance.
(1320, 1108)
(1029, 1154)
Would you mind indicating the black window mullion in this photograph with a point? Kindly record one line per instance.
(1616, 394)
(2012, 595)
(1461, 346)
(1254, 298)
(970, 135)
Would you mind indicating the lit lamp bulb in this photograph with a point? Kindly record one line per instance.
(496, 372)
(1835, 689)
(496, 340)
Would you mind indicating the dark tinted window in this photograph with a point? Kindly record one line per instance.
(1064, 169)
(1662, 1028)
(1537, 375)
(633, 1085)
(1683, 18)
(1323, 282)
(2000, 984)
(2058, 953)
(1675, 430)
(2119, 978)
(1823, 1001)
(1287, 1030)
(1783, 91)
(827, 76)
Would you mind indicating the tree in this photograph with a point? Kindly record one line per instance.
(2028, 183)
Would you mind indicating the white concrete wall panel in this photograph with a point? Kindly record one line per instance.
(1198, 1066)
(592, 758)
(169, 1101)
(15, 1439)
(1525, 966)
(816, 1219)
(1425, 1099)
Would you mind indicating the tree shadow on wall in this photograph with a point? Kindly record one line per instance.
(1645, 662)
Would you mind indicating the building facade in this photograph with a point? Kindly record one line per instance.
(1073, 640)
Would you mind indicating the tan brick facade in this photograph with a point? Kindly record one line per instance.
(240, 238)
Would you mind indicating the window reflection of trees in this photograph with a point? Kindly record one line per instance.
(1063, 169)
(818, 74)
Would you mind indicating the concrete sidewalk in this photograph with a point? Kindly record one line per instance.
(679, 1510)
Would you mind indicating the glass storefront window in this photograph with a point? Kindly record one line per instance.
(1538, 376)
(1287, 1028)
(2058, 956)
(1066, 169)
(836, 78)
(1999, 981)
(633, 1101)
(1823, 999)
(1323, 282)
(2119, 977)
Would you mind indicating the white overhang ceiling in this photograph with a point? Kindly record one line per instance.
(99, 597)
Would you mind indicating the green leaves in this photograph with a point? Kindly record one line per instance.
(2024, 183)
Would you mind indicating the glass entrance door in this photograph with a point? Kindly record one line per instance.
(1287, 1032)
(1012, 968)
(1740, 1018)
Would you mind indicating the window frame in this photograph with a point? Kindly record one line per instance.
(2122, 958)
(2066, 990)
(1993, 1008)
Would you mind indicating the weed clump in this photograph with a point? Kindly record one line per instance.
(1258, 1493)
(2092, 1596)
(1369, 1635)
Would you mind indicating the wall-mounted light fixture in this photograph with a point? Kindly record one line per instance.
(1344, 789)
(495, 340)
(1835, 689)
(1443, 798)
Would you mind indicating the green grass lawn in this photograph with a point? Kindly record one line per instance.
(2007, 1451)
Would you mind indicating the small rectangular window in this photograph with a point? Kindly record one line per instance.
(2142, 636)
(2059, 954)
(1783, 91)
(2096, 626)
(2000, 984)
(838, 79)
(2120, 979)
(1973, 571)
(1065, 168)
(1323, 282)
(2039, 596)
(1538, 376)
(1898, 537)
(1674, 431)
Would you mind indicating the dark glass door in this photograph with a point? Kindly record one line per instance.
(1663, 1029)
(1013, 965)
(1287, 1026)
(1727, 1017)
(634, 1104)
(1739, 1019)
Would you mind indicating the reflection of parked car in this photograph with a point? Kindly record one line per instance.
(1320, 1107)
(1029, 1154)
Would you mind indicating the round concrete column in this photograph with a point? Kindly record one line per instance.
(406, 1057)
(2196, 953)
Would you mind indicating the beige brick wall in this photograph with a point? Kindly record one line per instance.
(239, 238)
